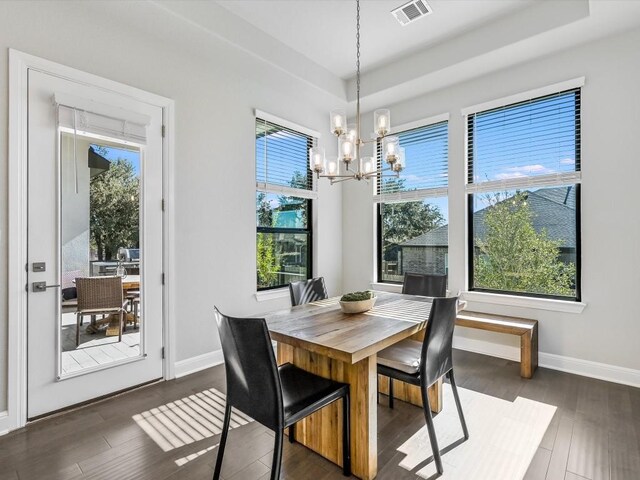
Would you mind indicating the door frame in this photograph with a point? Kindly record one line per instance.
(19, 64)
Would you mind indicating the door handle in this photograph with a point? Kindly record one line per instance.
(37, 287)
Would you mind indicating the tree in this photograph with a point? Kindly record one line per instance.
(264, 213)
(114, 209)
(266, 259)
(512, 256)
(404, 221)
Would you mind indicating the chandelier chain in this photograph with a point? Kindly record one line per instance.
(357, 78)
(350, 141)
(358, 47)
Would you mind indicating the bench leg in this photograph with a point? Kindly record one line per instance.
(529, 353)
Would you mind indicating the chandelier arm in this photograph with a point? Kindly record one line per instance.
(345, 179)
(335, 176)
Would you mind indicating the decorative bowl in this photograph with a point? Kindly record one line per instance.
(358, 306)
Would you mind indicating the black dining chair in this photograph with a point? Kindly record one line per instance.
(276, 397)
(306, 291)
(426, 285)
(424, 363)
(421, 284)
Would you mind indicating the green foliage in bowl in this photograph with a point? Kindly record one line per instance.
(357, 296)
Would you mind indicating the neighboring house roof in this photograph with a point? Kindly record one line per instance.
(553, 210)
(438, 237)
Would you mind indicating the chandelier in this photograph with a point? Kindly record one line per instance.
(351, 145)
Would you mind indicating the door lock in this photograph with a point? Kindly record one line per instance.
(37, 287)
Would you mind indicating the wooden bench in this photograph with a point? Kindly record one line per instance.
(526, 329)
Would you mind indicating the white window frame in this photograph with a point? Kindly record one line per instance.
(402, 197)
(282, 292)
(513, 299)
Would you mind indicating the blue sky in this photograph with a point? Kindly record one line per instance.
(529, 139)
(132, 155)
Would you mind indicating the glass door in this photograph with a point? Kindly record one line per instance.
(94, 243)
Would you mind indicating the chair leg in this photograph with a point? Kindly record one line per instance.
(454, 388)
(346, 436)
(390, 392)
(223, 442)
(292, 433)
(135, 316)
(431, 428)
(121, 326)
(78, 323)
(377, 388)
(277, 455)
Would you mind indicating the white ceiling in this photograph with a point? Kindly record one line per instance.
(324, 31)
(313, 40)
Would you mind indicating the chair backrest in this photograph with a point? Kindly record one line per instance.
(307, 291)
(96, 293)
(437, 347)
(253, 382)
(427, 285)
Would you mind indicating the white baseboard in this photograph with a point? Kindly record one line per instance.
(4, 423)
(585, 368)
(195, 364)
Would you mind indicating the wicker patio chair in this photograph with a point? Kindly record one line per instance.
(99, 296)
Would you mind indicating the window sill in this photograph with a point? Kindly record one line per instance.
(387, 287)
(266, 295)
(550, 304)
(554, 305)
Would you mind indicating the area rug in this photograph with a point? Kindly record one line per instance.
(504, 437)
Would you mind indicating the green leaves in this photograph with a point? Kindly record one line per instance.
(114, 209)
(514, 257)
(267, 260)
(404, 221)
(357, 296)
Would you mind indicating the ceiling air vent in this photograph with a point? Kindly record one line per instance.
(410, 12)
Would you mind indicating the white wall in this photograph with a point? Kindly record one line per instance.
(75, 208)
(608, 329)
(215, 87)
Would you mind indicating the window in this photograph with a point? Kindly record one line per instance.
(284, 192)
(523, 190)
(413, 233)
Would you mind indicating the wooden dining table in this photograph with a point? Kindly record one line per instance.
(131, 282)
(320, 338)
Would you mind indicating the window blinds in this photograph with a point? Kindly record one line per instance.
(534, 143)
(281, 160)
(426, 171)
(85, 116)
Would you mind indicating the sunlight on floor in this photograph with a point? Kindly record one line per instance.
(503, 438)
(188, 420)
(184, 460)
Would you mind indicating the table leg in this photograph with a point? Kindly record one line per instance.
(321, 432)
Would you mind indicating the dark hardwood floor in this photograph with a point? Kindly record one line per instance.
(594, 435)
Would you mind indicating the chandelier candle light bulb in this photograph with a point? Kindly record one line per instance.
(382, 120)
(317, 159)
(399, 164)
(338, 121)
(346, 149)
(332, 167)
(391, 147)
(350, 142)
